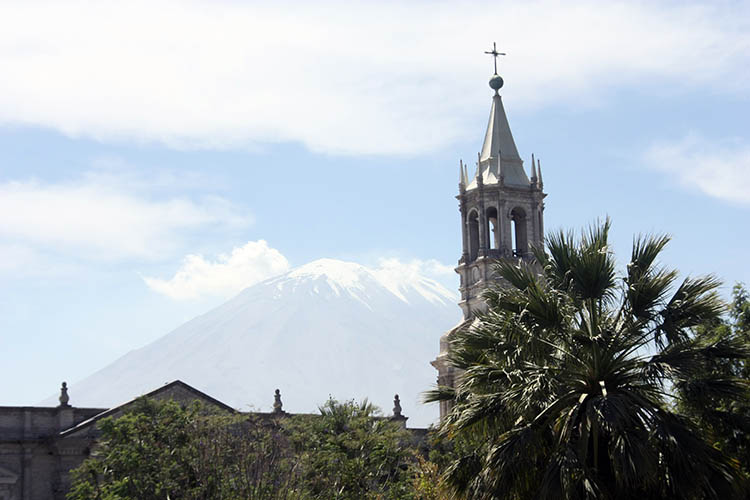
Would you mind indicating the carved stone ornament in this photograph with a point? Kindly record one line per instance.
(475, 275)
(277, 405)
(64, 398)
(396, 406)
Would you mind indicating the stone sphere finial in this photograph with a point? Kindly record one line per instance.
(496, 82)
(64, 398)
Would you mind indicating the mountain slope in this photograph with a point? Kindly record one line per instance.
(327, 328)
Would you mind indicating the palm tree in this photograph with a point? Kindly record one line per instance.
(569, 381)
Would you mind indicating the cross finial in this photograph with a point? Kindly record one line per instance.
(494, 53)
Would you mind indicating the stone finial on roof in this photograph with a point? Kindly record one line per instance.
(277, 404)
(539, 170)
(396, 406)
(496, 82)
(533, 169)
(480, 179)
(397, 415)
(64, 398)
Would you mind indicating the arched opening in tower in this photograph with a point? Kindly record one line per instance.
(518, 231)
(493, 229)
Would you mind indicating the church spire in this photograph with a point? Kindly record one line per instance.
(499, 151)
(498, 140)
(502, 218)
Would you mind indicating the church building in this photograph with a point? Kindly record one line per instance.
(39, 446)
(502, 216)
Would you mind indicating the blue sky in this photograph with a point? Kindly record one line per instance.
(155, 157)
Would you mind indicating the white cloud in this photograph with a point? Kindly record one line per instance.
(342, 77)
(410, 269)
(225, 276)
(91, 219)
(718, 168)
(399, 272)
(228, 274)
(15, 257)
(116, 173)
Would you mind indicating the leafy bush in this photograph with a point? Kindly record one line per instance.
(160, 450)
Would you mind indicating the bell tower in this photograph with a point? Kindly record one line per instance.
(502, 217)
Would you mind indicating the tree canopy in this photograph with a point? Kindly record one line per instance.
(161, 449)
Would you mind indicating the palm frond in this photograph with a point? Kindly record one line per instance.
(439, 393)
(696, 301)
(519, 275)
(645, 292)
(512, 455)
(561, 250)
(646, 249)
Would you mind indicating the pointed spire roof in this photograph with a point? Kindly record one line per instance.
(499, 156)
(499, 161)
(498, 141)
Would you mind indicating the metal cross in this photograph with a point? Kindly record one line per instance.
(494, 53)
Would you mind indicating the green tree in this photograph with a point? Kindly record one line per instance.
(144, 454)
(723, 415)
(243, 457)
(160, 449)
(350, 452)
(569, 380)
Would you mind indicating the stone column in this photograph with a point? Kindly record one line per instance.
(530, 234)
(483, 241)
(540, 215)
(464, 230)
(482, 236)
(535, 234)
(501, 224)
(482, 218)
(507, 236)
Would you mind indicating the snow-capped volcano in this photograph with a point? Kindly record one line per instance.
(326, 328)
(360, 282)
